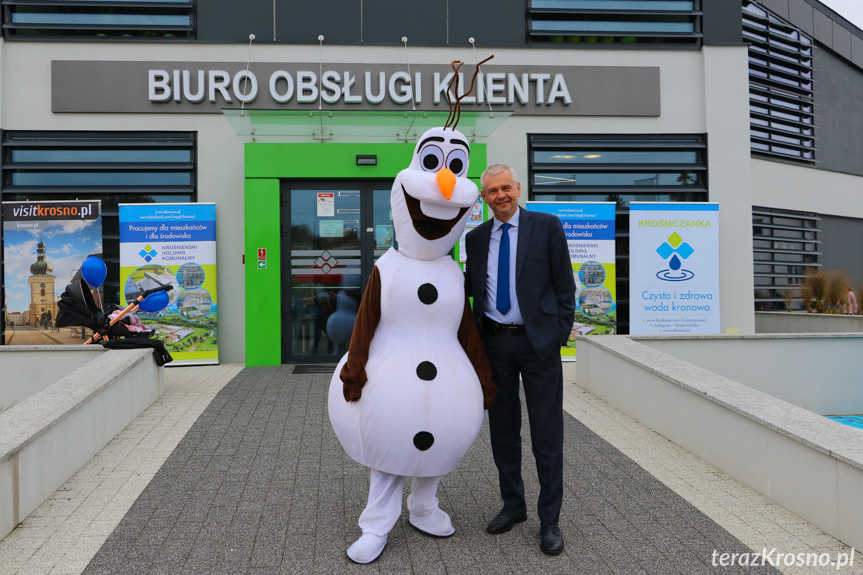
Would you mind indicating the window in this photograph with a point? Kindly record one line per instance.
(617, 22)
(621, 169)
(114, 167)
(98, 19)
(785, 244)
(781, 90)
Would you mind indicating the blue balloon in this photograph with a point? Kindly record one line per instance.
(94, 271)
(154, 302)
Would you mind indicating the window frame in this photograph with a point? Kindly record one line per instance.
(781, 87)
(771, 283)
(72, 31)
(614, 38)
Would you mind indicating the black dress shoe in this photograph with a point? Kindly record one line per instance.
(505, 520)
(551, 541)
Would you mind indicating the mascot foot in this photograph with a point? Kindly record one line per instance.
(435, 523)
(367, 548)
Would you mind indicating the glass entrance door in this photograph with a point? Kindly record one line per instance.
(336, 232)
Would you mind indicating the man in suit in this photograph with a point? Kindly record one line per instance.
(519, 273)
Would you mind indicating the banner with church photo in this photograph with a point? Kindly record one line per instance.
(44, 243)
(174, 244)
(589, 229)
(673, 268)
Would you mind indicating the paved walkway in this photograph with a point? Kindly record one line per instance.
(237, 471)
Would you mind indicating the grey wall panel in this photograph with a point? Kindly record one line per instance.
(386, 21)
(841, 40)
(490, 22)
(801, 15)
(339, 21)
(232, 21)
(722, 22)
(857, 51)
(823, 29)
(841, 239)
(839, 113)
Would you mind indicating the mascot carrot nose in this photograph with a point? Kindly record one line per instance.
(446, 182)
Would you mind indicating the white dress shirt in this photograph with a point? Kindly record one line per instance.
(514, 314)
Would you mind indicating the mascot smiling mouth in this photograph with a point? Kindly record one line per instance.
(429, 228)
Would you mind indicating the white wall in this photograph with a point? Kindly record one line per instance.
(692, 102)
(727, 103)
(784, 322)
(790, 187)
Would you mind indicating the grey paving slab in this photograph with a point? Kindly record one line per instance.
(260, 484)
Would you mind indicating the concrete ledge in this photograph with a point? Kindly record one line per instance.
(808, 464)
(28, 369)
(784, 322)
(46, 438)
(811, 371)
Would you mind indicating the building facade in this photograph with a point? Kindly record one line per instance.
(272, 112)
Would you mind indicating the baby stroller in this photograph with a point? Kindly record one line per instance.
(113, 326)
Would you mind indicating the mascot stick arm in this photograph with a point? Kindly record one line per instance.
(353, 374)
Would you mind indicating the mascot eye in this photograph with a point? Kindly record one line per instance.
(457, 162)
(431, 158)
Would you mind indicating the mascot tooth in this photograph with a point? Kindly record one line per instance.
(407, 400)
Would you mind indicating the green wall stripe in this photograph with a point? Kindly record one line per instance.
(263, 286)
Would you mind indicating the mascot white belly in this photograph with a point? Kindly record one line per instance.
(422, 406)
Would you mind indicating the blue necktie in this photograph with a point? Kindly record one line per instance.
(503, 303)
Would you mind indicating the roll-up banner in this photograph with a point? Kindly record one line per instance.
(673, 268)
(44, 244)
(174, 244)
(589, 229)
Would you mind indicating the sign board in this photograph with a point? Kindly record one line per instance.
(589, 229)
(326, 204)
(673, 268)
(171, 87)
(44, 245)
(174, 244)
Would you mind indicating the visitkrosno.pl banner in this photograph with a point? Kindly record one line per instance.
(44, 243)
(589, 228)
(674, 268)
(174, 244)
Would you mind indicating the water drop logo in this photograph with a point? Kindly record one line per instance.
(148, 253)
(675, 248)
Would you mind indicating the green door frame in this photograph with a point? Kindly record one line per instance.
(265, 165)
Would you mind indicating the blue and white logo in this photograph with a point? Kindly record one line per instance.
(148, 253)
(675, 248)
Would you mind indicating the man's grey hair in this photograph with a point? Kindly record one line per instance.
(496, 169)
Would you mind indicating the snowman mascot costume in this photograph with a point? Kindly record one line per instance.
(407, 400)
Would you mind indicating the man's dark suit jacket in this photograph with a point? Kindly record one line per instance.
(544, 284)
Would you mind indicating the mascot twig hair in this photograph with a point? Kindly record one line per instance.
(452, 87)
